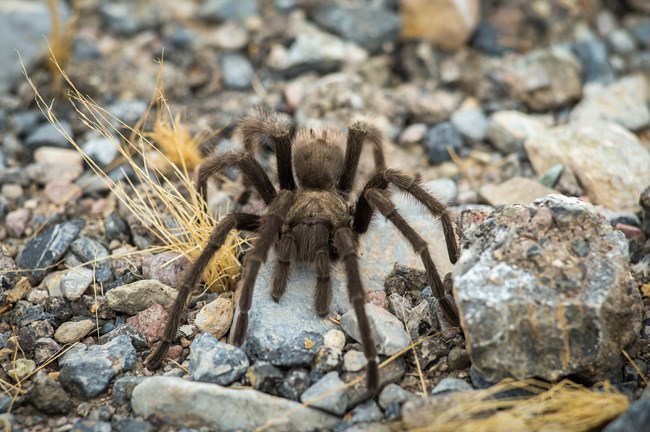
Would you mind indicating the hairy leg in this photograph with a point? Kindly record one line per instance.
(320, 237)
(346, 244)
(411, 186)
(285, 249)
(268, 233)
(379, 200)
(358, 133)
(263, 127)
(250, 168)
(241, 221)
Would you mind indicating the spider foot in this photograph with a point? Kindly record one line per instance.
(154, 361)
(240, 328)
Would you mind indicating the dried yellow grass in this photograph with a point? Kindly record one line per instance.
(173, 138)
(565, 406)
(61, 38)
(163, 199)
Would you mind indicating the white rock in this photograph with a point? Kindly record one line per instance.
(75, 283)
(334, 339)
(387, 331)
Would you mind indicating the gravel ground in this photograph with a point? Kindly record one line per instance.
(530, 119)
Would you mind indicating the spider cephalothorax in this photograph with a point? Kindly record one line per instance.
(312, 220)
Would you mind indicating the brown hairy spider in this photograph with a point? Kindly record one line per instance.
(311, 220)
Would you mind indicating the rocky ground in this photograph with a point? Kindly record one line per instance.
(496, 104)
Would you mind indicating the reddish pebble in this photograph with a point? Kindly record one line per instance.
(150, 322)
(175, 352)
(631, 232)
(16, 222)
(61, 192)
(378, 298)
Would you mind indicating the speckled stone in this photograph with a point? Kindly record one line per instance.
(561, 260)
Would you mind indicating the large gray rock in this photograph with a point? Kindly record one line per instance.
(545, 291)
(277, 332)
(23, 23)
(609, 161)
(196, 405)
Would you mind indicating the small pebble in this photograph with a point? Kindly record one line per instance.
(327, 359)
(216, 362)
(22, 369)
(75, 283)
(450, 384)
(354, 361)
(73, 331)
(216, 317)
(337, 401)
(393, 394)
(265, 377)
(150, 322)
(16, 222)
(294, 384)
(334, 339)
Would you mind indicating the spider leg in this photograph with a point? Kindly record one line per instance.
(262, 127)
(320, 238)
(256, 256)
(358, 132)
(241, 221)
(379, 199)
(409, 185)
(250, 168)
(286, 249)
(346, 244)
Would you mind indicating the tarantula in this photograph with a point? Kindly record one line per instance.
(311, 220)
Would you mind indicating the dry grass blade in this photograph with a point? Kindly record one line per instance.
(562, 406)
(162, 199)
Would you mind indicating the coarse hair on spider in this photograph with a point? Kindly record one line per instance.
(312, 217)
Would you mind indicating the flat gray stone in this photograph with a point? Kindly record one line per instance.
(185, 404)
